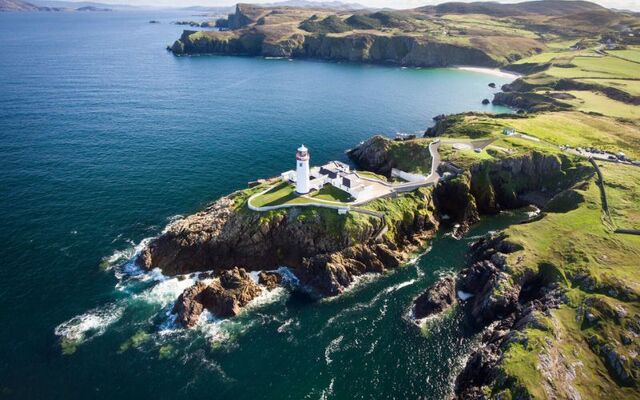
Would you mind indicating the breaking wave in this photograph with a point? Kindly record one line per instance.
(91, 324)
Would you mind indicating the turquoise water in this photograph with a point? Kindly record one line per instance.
(104, 136)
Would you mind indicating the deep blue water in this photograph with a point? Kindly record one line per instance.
(104, 136)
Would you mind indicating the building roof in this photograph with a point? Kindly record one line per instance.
(331, 173)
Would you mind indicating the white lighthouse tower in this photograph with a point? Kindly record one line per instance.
(302, 170)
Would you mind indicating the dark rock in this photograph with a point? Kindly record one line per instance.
(270, 279)
(486, 101)
(479, 371)
(223, 298)
(436, 299)
(373, 155)
(492, 85)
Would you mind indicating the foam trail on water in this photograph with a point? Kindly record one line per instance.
(328, 391)
(400, 286)
(333, 347)
(91, 324)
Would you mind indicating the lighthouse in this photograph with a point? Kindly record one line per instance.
(302, 170)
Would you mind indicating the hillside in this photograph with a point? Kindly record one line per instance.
(482, 34)
(17, 5)
(545, 7)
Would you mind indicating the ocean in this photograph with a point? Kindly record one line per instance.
(105, 137)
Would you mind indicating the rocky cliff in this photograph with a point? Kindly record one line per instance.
(496, 302)
(325, 250)
(357, 47)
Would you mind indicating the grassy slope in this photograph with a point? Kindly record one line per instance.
(579, 243)
(575, 245)
(594, 102)
(412, 155)
(351, 225)
(575, 129)
(284, 193)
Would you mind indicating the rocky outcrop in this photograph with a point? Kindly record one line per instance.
(323, 255)
(358, 47)
(436, 299)
(221, 237)
(521, 91)
(529, 101)
(454, 198)
(330, 274)
(373, 155)
(497, 304)
(269, 279)
(244, 15)
(401, 50)
(224, 297)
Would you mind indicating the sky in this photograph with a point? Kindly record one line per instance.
(620, 4)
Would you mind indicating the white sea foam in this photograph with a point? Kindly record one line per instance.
(464, 296)
(266, 297)
(124, 259)
(166, 290)
(333, 347)
(91, 324)
(399, 286)
(359, 281)
(533, 213)
(285, 326)
(213, 328)
(372, 347)
(328, 391)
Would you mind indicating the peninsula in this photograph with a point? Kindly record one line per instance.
(556, 298)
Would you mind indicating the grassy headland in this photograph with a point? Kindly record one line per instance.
(448, 34)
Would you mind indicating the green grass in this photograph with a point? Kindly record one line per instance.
(372, 175)
(411, 155)
(330, 24)
(280, 194)
(332, 193)
(581, 130)
(402, 210)
(630, 54)
(572, 244)
(578, 243)
(465, 158)
(284, 193)
(597, 67)
(520, 364)
(595, 102)
(622, 184)
(631, 86)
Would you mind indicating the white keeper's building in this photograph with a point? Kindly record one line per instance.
(335, 173)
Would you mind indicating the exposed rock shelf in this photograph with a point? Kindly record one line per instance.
(325, 250)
